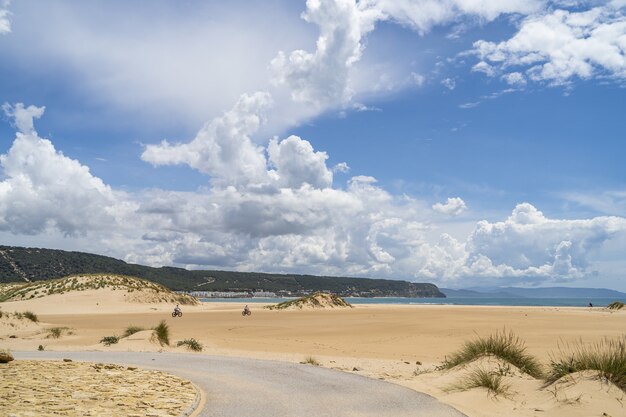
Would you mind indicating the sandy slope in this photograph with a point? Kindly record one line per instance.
(380, 341)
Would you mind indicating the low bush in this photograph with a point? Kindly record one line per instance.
(5, 356)
(615, 305)
(192, 344)
(109, 340)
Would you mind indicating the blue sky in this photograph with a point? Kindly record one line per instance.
(457, 142)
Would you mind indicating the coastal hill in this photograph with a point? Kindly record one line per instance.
(545, 292)
(19, 264)
(132, 289)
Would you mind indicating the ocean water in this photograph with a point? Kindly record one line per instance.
(553, 302)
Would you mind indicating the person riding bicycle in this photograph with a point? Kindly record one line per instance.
(177, 309)
(246, 310)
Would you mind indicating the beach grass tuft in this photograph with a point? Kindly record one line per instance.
(504, 345)
(615, 305)
(162, 333)
(480, 378)
(607, 358)
(109, 340)
(130, 330)
(310, 360)
(30, 316)
(192, 344)
(55, 332)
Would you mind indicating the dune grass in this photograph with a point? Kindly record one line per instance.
(56, 332)
(30, 316)
(162, 333)
(310, 360)
(503, 345)
(130, 330)
(615, 305)
(607, 358)
(192, 344)
(480, 378)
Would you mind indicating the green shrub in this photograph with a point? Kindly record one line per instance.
(607, 358)
(40, 348)
(162, 333)
(192, 344)
(5, 356)
(130, 330)
(505, 346)
(109, 340)
(55, 332)
(31, 316)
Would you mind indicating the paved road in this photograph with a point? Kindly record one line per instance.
(237, 387)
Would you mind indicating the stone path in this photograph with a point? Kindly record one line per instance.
(57, 388)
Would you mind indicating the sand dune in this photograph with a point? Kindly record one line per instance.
(379, 341)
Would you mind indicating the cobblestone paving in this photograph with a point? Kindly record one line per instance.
(57, 388)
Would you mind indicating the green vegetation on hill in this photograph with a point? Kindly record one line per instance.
(18, 264)
(317, 300)
(157, 292)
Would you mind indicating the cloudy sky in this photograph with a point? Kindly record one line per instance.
(460, 142)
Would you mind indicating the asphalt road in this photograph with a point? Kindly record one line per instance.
(238, 387)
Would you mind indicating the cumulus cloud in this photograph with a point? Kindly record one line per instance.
(558, 45)
(341, 167)
(23, 117)
(515, 78)
(322, 77)
(43, 188)
(452, 207)
(526, 247)
(297, 163)
(298, 224)
(223, 148)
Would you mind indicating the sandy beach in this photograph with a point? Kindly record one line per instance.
(401, 344)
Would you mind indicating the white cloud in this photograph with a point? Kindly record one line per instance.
(452, 207)
(223, 148)
(23, 117)
(298, 223)
(449, 83)
(418, 79)
(515, 78)
(5, 23)
(44, 189)
(297, 163)
(341, 167)
(422, 15)
(559, 45)
(485, 68)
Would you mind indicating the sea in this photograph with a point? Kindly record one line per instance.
(462, 301)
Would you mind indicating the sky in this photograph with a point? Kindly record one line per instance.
(460, 142)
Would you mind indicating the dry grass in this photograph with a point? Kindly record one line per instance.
(130, 330)
(480, 378)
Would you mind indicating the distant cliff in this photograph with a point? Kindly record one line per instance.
(18, 264)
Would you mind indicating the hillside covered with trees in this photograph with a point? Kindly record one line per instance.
(18, 264)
